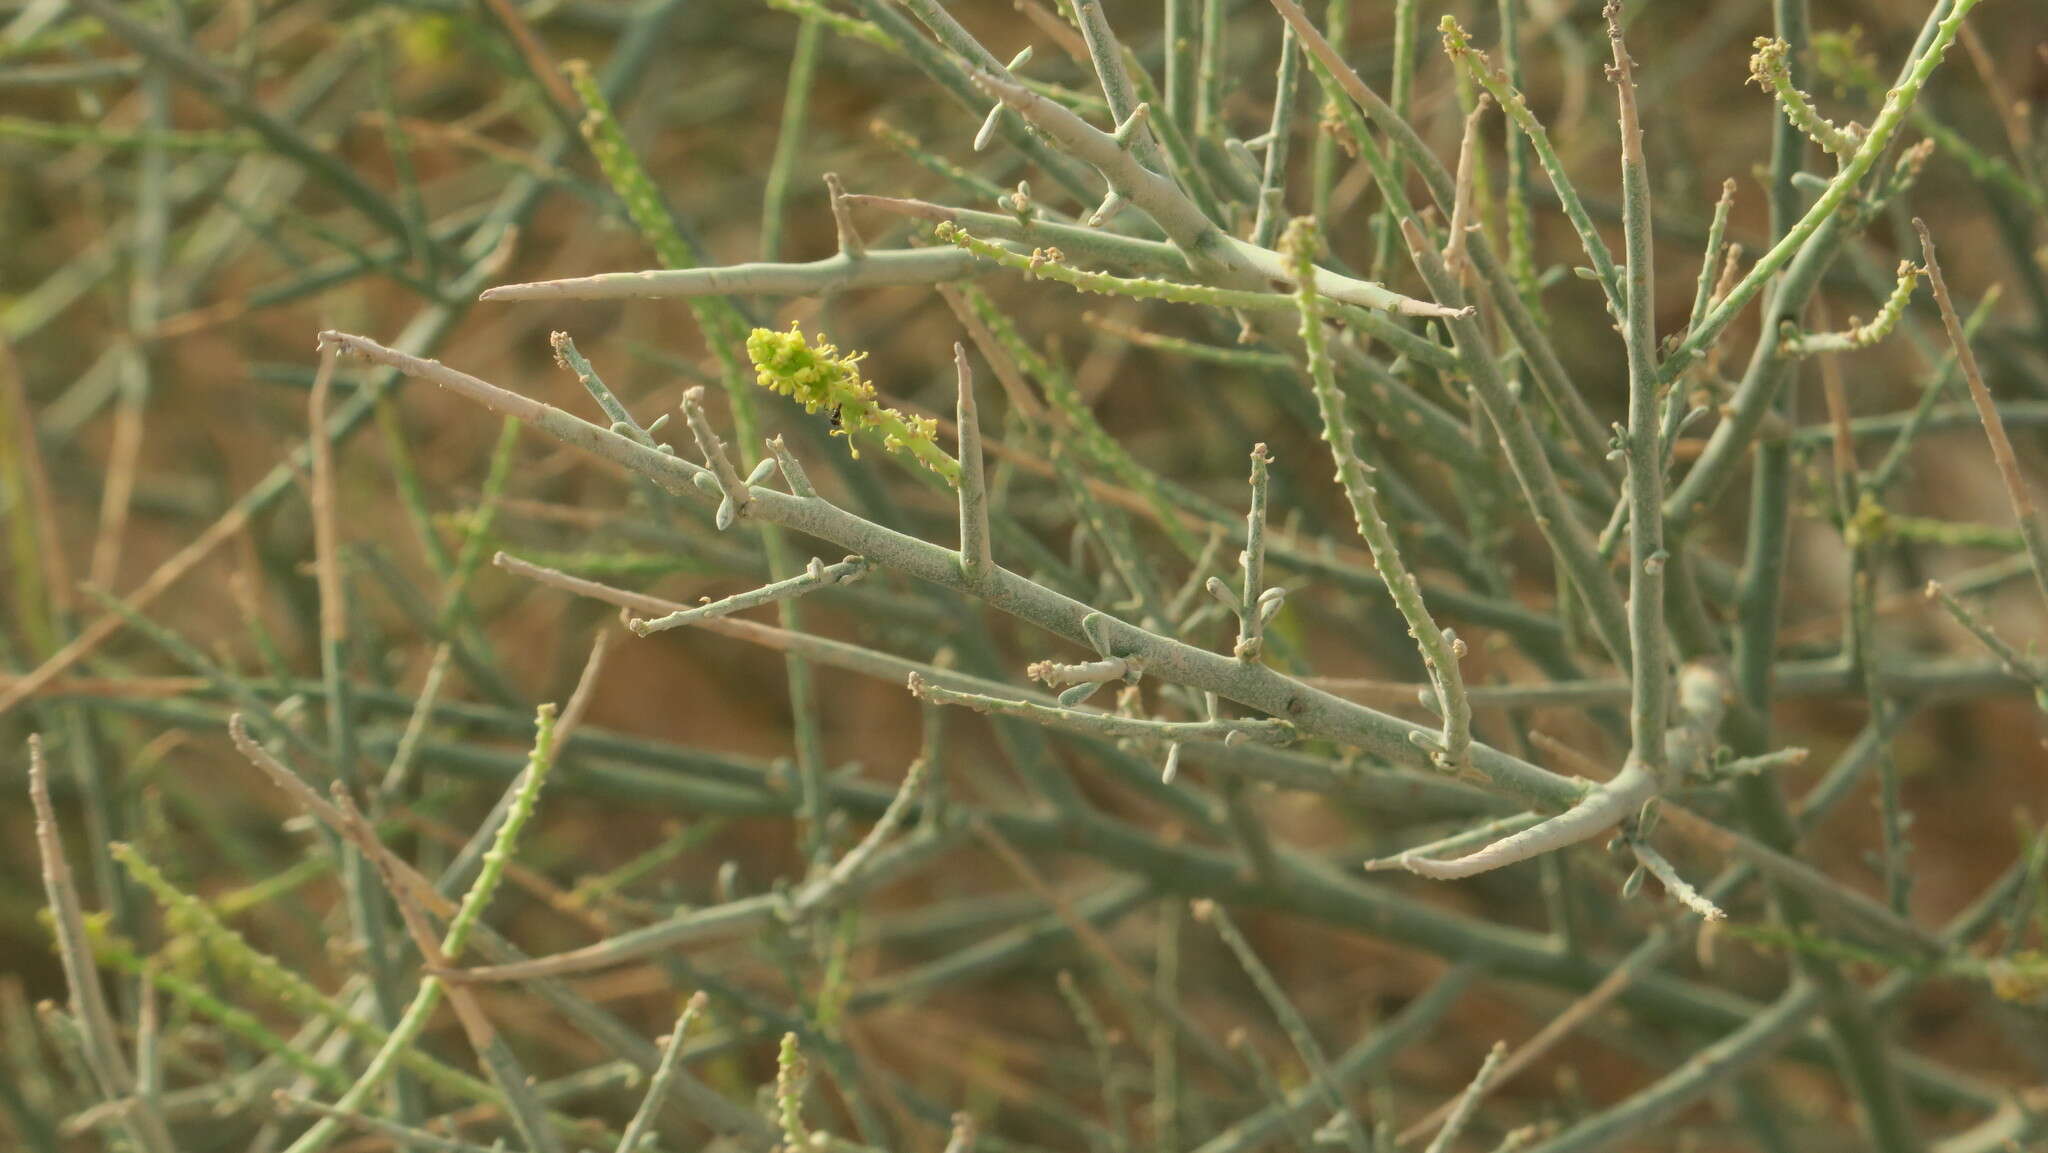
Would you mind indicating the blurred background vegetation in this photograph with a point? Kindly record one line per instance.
(189, 191)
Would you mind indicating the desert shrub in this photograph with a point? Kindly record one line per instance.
(1234, 607)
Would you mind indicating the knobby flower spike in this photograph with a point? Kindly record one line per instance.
(1768, 68)
(823, 379)
(1440, 647)
(1859, 334)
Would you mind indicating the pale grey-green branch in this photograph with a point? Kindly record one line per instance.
(876, 268)
(1314, 713)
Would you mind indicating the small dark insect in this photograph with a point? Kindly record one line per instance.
(835, 417)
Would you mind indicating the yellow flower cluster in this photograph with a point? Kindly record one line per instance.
(820, 377)
(2021, 978)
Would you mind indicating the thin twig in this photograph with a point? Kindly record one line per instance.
(975, 560)
(101, 1042)
(1468, 1102)
(1291, 1022)
(1674, 884)
(1108, 724)
(1987, 410)
(657, 1087)
(818, 576)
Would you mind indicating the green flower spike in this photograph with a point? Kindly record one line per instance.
(818, 376)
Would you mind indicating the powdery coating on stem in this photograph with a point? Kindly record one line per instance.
(1254, 762)
(1604, 808)
(1690, 744)
(1650, 674)
(1054, 674)
(1458, 842)
(1198, 238)
(731, 485)
(1108, 57)
(1680, 890)
(567, 355)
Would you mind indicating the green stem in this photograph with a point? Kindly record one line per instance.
(789, 138)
